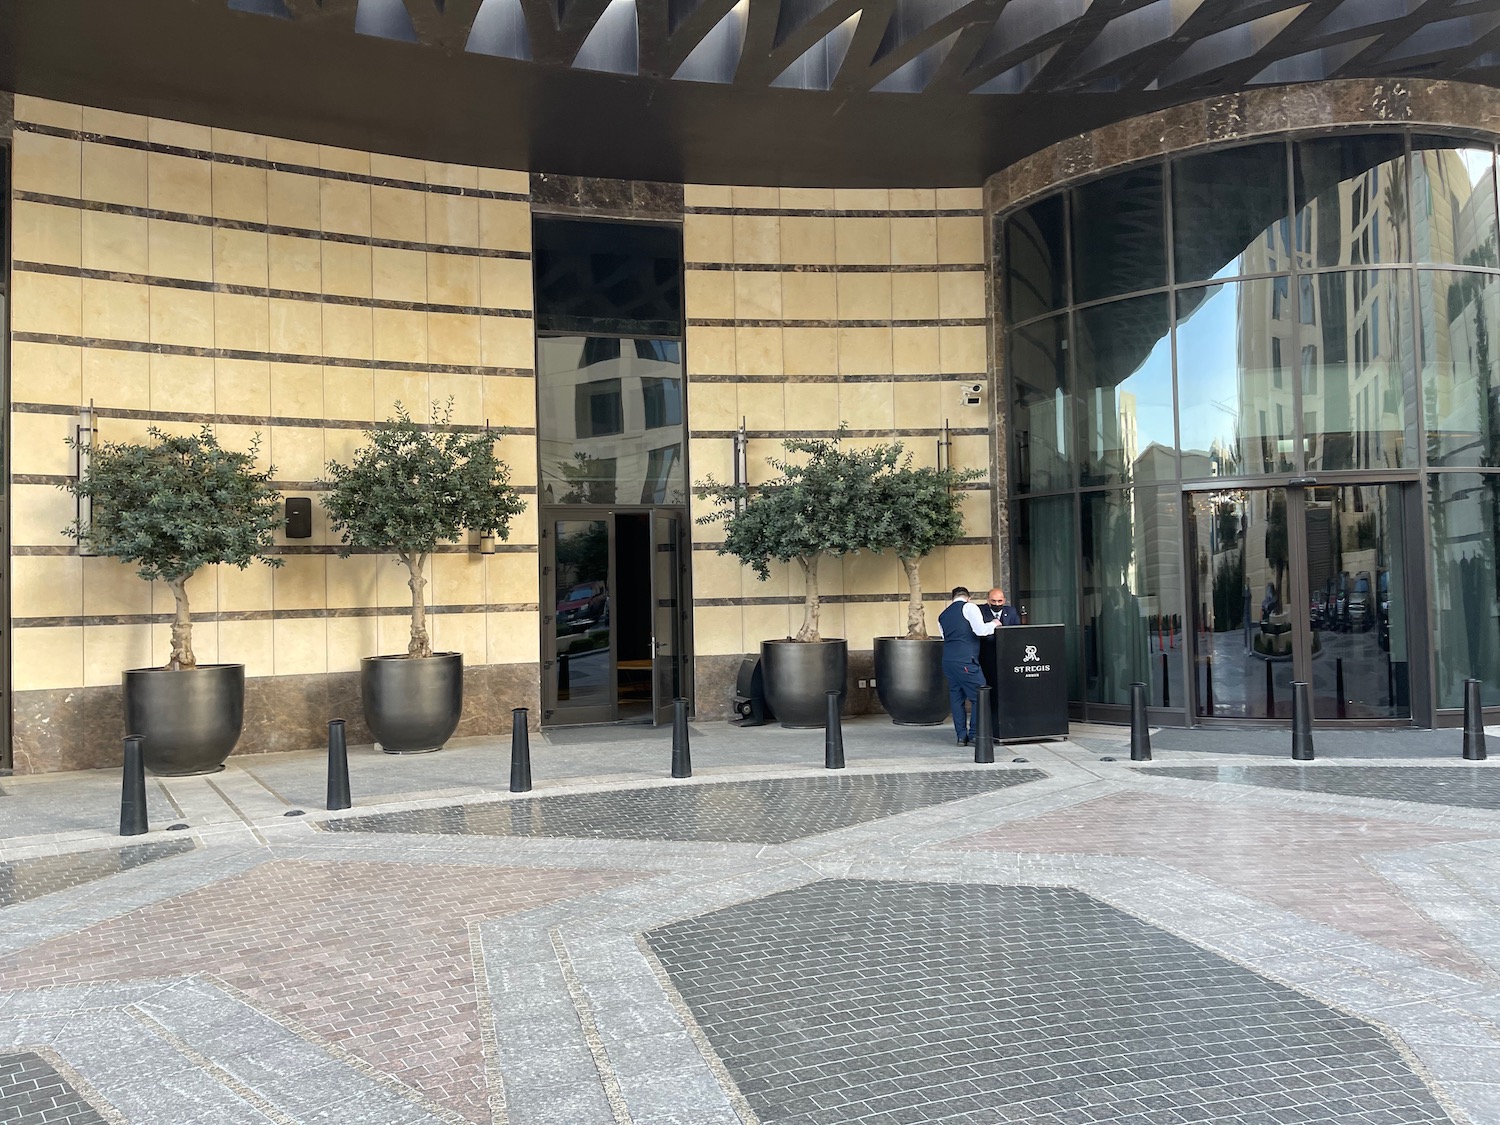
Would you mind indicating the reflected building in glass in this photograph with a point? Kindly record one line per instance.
(1253, 415)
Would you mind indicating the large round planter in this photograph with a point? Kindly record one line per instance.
(909, 680)
(412, 706)
(800, 674)
(188, 721)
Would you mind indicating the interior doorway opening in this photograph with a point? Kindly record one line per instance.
(614, 642)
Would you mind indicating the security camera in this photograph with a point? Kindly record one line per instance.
(971, 393)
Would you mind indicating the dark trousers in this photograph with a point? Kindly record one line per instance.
(964, 682)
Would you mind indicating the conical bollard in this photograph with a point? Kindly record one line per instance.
(1140, 732)
(1302, 738)
(520, 752)
(833, 734)
(682, 756)
(133, 790)
(1473, 723)
(338, 767)
(984, 728)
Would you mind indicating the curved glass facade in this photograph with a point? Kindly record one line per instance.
(1254, 416)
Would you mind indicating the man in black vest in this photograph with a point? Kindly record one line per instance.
(996, 609)
(962, 626)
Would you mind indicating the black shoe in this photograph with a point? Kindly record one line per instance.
(964, 741)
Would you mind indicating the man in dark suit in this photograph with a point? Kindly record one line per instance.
(998, 610)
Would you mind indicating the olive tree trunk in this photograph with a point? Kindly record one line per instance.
(421, 643)
(182, 628)
(813, 608)
(916, 614)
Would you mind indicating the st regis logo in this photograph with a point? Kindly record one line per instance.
(1030, 656)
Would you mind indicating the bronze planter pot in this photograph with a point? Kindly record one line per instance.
(909, 680)
(799, 675)
(189, 721)
(412, 706)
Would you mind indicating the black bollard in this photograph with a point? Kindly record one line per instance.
(133, 790)
(682, 756)
(1338, 687)
(520, 752)
(1270, 692)
(1166, 683)
(1302, 737)
(1208, 685)
(984, 728)
(1473, 723)
(338, 767)
(833, 734)
(1140, 732)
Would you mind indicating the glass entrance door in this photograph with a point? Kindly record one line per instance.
(613, 635)
(1300, 584)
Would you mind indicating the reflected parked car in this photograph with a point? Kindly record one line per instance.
(585, 604)
(1360, 610)
(1383, 608)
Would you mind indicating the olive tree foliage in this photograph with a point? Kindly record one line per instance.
(917, 510)
(173, 505)
(821, 502)
(413, 486)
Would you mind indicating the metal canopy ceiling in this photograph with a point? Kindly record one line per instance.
(817, 92)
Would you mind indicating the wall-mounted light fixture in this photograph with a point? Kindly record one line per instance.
(486, 544)
(944, 448)
(741, 459)
(299, 517)
(85, 431)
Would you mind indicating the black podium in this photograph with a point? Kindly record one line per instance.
(1031, 682)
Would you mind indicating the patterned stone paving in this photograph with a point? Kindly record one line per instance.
(849, 1001)
(772, 811)
(374, 958)
(33, 1093)
(1471, 786)
(24, 879)
(1310, 864)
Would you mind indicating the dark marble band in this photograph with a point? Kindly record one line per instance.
(266, 420)
(837, 213)
(264, 291)
(966, 541)
(215, 615)
(890, 432)
(99, 344)
(267, 165)
(64, 550)
(749, 322)
(808, 267)
(883, 377)
(219, 223)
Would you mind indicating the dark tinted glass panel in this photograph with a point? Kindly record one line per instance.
(1039, 366)
(623, 278)
(1466, 584)
(1123, 367)
(1119, 235)
(1131, 590)
(1234, 383)
(1034, 260)
(581, 602)
(609, 421)
(1047, 572)
(1230, 213)
(1355, 380)
(1453, 202)
(1241, 610)
(1351, 199)
(1460, 373)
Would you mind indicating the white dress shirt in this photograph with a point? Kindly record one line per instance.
(981, 627)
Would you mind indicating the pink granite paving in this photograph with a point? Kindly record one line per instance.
(1312, 865)
(372, 957)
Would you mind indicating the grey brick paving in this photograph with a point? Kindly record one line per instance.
(33, 1093)
(771, 811)
(24, 879)
(847, 1000)
(1474, 786)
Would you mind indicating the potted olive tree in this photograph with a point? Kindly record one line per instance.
(821, 503)
(173, 505)
(408, 489)
(917, 511)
